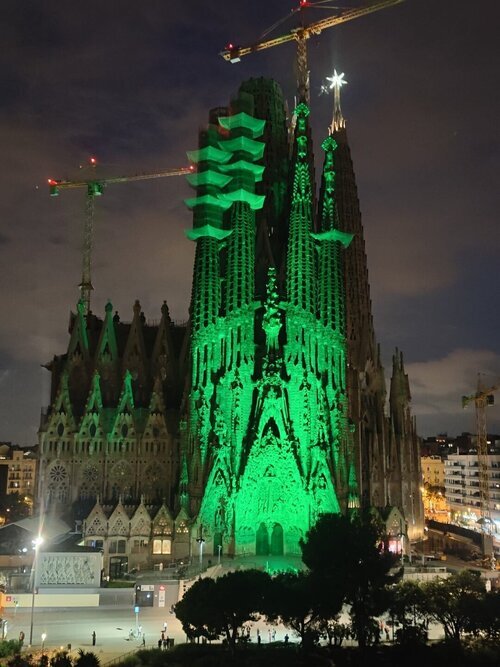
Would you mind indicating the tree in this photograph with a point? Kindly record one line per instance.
(333, 630)
(485, 616)
(14, 507)
(240, 599)
(212, 608)
(197, 610)
(20, 661)
(9, 647)
(407, 607)
(347, 555)
(61, 659)
(450, 602)
(87, 659)
(293, 601)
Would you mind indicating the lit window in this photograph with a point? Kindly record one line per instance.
(162, 546)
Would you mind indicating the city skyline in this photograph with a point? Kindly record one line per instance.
(424, 153)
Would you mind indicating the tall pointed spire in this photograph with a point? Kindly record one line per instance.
(300, 272)
(331, 289)
(335, 83)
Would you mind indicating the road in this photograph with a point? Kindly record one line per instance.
(111, 624)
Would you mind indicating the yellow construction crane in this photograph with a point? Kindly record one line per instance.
(300, 35)
(95, 187)
(481, 399)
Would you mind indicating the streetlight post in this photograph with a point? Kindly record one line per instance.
(136, 611)
(219, 548)
(201, 541)
(426, 530)
(36, 544)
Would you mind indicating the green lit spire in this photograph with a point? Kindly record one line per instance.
(331, 292)
(301, 279)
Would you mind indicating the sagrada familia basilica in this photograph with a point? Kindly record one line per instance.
(269, 407)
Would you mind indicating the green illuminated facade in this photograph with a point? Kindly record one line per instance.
(269, 406)
(267, 445)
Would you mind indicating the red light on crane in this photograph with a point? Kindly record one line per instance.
(93, 161)
(51, 181)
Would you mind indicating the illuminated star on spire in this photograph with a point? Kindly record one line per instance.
(336, 81)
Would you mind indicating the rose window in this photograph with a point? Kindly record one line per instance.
(91, 474)
(58, 474)
(121, 470)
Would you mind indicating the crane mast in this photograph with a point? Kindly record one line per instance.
(300, 35)
(95, 189)
(481, 399)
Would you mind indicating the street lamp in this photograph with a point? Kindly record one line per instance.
(136, 611)
(426, 530)
(201, 542)
(44, 637)
(36, 545)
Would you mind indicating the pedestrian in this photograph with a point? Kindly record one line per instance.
(165, 643)
(270, 636)
(274, 635)
(259, 639)
(386, 630)
(286, 638)
(21, 638)
(162, 635)
(144, 639)
(159, 643)
(93, 638)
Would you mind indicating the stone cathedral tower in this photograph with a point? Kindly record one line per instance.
(388, 447)
(280, 423)
(267, 444)
(268, 408)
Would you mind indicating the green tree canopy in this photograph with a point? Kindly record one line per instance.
(197, 610)
(407, 603)
(450, 602)
(484, 616)
(212, 608)
(87, 659)
(346, 553)
(293, 599)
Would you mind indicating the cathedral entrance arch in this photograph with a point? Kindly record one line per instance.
(262, 541)
(277, 540)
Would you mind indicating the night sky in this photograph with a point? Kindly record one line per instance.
(132, 82)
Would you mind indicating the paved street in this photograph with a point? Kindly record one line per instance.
(112, 625)
(113, 620)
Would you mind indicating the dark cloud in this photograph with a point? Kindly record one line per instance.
(132, 84)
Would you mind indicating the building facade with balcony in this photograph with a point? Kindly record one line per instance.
(463, 493)
(21, 467)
